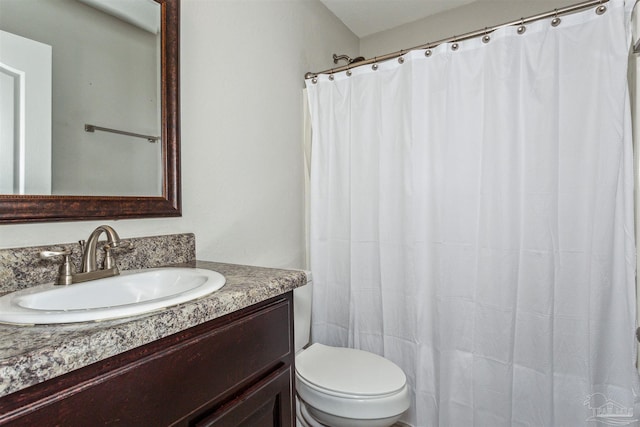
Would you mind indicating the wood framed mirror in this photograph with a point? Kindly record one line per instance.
(18, 208)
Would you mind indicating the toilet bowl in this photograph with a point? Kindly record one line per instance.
(343, 387)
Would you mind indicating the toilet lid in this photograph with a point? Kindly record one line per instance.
(349, 371)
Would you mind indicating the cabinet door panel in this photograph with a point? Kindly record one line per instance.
(267, 404)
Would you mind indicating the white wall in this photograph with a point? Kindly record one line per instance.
(242, 65)
(633, 75)
(464, 19)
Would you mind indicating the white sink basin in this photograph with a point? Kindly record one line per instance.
(131, 293)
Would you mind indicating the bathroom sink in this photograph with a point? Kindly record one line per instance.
(128, 294)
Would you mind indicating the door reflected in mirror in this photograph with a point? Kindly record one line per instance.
(104, 70)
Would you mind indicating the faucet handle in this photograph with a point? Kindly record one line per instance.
(67, 270)
(109, 260)
(120, 244)
(49, 254)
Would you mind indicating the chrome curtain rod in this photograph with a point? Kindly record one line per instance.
(473, 34)
(93, 128)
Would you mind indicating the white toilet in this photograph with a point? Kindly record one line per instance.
(342, 387)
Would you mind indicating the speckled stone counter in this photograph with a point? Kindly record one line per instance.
(23, 267)
(32, 354)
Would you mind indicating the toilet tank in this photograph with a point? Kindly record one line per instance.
(302, 313)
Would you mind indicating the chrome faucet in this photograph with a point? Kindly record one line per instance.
(89, 269)
(89, 255)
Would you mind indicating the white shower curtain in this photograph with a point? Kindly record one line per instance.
(472, 221)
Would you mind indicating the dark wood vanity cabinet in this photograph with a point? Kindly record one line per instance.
(236, 370)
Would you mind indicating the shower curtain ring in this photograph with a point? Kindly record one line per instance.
(401, 58)
(331, 77)
(486, 37)
(522, 28)
(455, 44)
(556, 21)
(374, 67)
(601, 9)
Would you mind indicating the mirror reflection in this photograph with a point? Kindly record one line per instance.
(66, 64)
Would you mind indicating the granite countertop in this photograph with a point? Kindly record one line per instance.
(33, 354)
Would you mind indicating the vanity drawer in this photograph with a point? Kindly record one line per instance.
(174, 381)
(266, 404)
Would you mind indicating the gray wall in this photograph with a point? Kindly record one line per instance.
(464, 19)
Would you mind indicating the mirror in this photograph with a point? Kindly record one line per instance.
(81, 188)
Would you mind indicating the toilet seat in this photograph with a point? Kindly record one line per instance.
(350, 383)
(348, 372)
